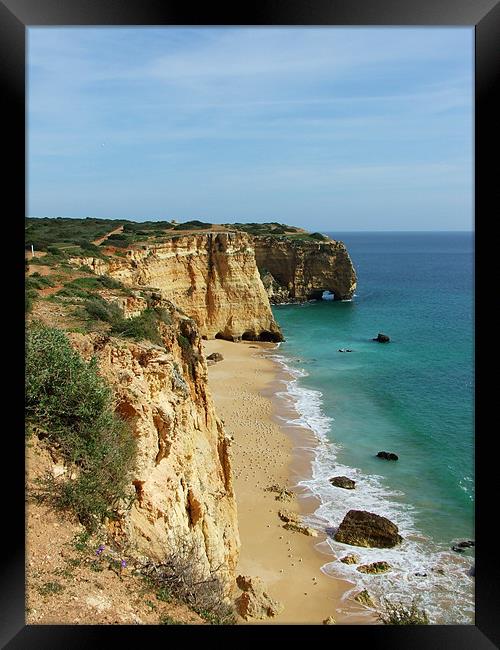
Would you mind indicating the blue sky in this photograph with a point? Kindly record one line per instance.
(328, 128)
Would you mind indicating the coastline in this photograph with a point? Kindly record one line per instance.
(248, 391)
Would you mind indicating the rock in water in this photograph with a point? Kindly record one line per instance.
(361, 528)
(374, 567)
(388, 455)
(343, 482)
(364, 598)
(254, 602)
(352, 558)
(382, 338)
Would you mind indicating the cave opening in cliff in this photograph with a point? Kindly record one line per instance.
(268, 336)
(248, 336)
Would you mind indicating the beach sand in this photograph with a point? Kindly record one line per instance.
(265, 452)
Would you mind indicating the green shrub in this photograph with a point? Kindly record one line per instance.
(99, 309)
(144, 326)
(67, 398)
(29, 297)
(400, 614)
(37, 281)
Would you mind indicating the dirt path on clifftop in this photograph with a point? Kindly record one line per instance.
(99, 241)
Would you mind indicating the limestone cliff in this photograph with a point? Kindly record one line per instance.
(212, 277)
(302, 269)
(182, 483)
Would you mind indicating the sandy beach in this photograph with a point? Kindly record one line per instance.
(264, 453)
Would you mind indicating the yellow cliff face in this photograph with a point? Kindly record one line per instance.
(302, 269)
(182, 483)
(212, 277)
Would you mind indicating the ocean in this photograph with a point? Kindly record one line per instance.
(413, 396)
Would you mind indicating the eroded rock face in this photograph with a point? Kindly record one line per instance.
(361, 528)
(303, 269)
(182, 481)
(212, 277)
(255, 602)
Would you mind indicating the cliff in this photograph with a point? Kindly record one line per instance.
(212, 277)
(182, 482)
(295, 270)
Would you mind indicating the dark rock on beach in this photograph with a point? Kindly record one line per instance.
(387, 455)
(215, 356)
(362, 528)
(343, 482)
(382, 338)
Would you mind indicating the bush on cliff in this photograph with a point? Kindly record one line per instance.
(68, 399)
(181, 577)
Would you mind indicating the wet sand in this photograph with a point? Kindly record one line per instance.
(266, 451)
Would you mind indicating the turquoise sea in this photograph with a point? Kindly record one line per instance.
(413, 396)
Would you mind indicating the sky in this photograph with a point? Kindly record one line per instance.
(327, 128)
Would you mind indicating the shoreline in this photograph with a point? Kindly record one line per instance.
(266, 451)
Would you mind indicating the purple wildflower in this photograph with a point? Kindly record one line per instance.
(123, 563)
(100, 549)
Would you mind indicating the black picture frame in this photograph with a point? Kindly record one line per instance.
(18, 15)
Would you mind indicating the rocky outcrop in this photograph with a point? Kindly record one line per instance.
(212, 277)
(361, 528)
(387, 455)
(382, 338)
(255, 602)
(300, 528)
(330, 621)
(343, 482)
(374, 567)
(182, 481)
(352, 558)
(301, 269)
(289, 516)
(364, 598)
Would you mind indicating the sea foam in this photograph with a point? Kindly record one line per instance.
(439, 577)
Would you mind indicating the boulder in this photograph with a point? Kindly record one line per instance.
(282, 493)
(289, 516)
(362, 528)
(388, 455)
(255, 602)
(374, 567)
(299, 528)
(382, 338)
(329, 621)
(467, 544)
(364, 598)
(343, 482)
(215, 356)
(352, 558)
